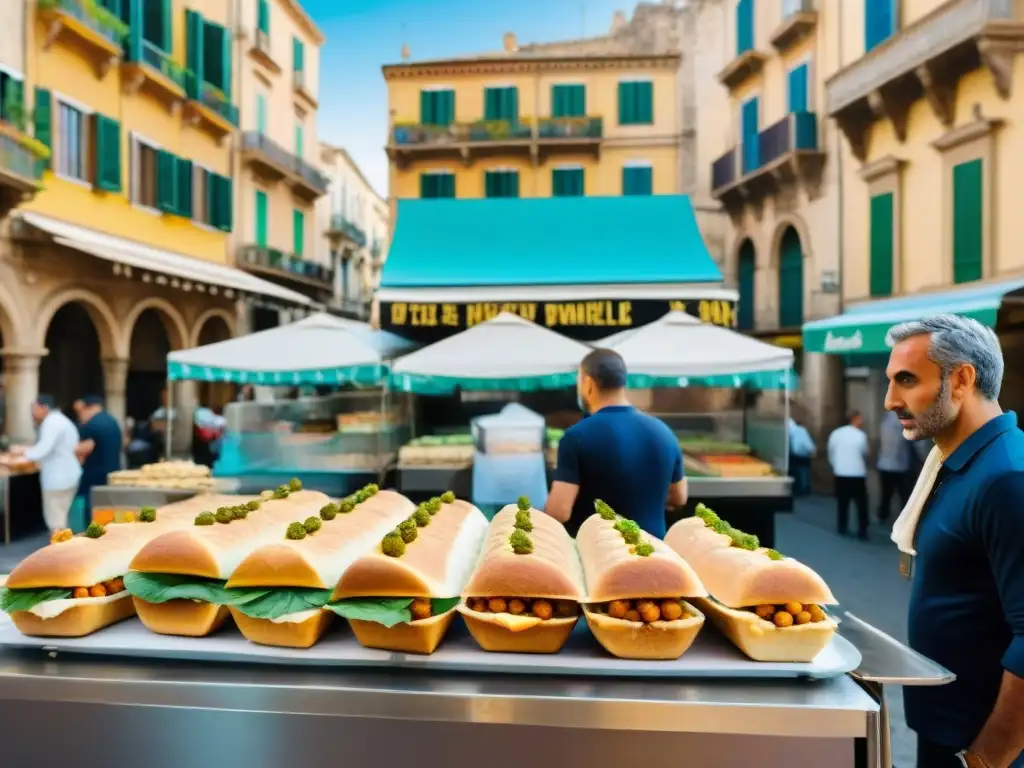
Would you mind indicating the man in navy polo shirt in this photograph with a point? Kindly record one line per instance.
(967, 598)
(618, 454)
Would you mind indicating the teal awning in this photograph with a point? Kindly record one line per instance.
(547, 241)
(861, 329)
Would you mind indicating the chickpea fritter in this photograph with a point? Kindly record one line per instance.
(420, 609)
(617, 609)
(632, 615)
(671, 610)
(516, 606)
(783, 619)
(80, 592)
(650, 613)
(565, 608)
(765, 611)
(542, 609)
(497, 605)
(803, 617)
(97, 590)
(793, 608)
(816, 613)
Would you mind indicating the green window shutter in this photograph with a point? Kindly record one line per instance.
(446, 108)
(791, 281)
(645, 103)
(510, 105)
(298, 140)
(636, 103)
(746, 269)
(194, 51)
(492, 104)
(263, 16)
(298, 232)
(225, 53)
(745, 25)
(428, 185)
(42, 120)
(437, 107)
(637, 180)
(261, 113)
(501, 104)
(166, 25)
(428, 107)
(446, 185)
(184, 187)
(107, 137)
(568, 101)
(225, 203)
(881, 244)
(501, 184)
(626, 109)
(298, 55)
(567, 182)
(166, 182)
(261, 218)
(968, 221)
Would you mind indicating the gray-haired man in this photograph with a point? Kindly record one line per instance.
(967, 598)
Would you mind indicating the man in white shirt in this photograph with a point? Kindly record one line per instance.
(848, 456)
(54, 452)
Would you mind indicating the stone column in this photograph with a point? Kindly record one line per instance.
(185, 399)
(21, 387)
(115, 379)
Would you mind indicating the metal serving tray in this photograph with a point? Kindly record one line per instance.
(712, 656)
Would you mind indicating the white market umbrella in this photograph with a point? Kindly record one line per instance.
(506, 352)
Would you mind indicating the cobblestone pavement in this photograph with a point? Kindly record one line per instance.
(865, 579)
(863, 575)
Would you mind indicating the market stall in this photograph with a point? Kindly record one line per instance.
(737, 459)
(21, 504)
(332, 441)
(504, 354)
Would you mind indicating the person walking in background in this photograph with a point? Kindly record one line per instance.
(893, 465)
(801, 450)
(848, 457)
(99, 450)
(966, 537)
(54, 452)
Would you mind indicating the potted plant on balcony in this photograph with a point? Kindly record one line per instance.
(14, 115)
(108, 22)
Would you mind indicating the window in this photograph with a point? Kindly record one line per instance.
(567, 182)
(261, 113)
(72, 157)
(156, 23)
(791, 280)
(636, 103)
(261, 218)
(107, 157)
(201, 195)
(745, 26)
(797, 91)
(880, 18)
(501, 104)
(437, 185)
(437, 107)
(298, 140)
(144, 173)
(216, 69)
(881, 244)
(298, 232)
(750, 122)
(220, 196)
(968, 221)
(298, 55)
(263, 16)
(568, 100)
(501, 184)
(746, 271)
(637, 180)
(12, 100)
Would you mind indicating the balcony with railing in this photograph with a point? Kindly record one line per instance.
(346, 231)
(272, 262)
(260, 51)
(21, 165)
(490, 137)
(926, 59)
(209, 105)
(785, 153)
(274, 163)
(96, 30)
(799, 18)
(149, 66)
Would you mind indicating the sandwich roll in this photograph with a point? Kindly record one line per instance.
(75, 585)
(292, 578)
(635, 605)
(177, 580)
(401, 595)
(768, 605)
(524, 594)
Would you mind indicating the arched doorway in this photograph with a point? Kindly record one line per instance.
(73, 366)
(791, 280)
(214, 394)
(746, 275)
(147, 365)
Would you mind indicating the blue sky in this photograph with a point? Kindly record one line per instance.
(364, 34)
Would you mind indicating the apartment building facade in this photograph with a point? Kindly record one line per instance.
(115, 251)
(933, 128)
(353, 220)
(278, 179)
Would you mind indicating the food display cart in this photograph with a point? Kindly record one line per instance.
(736, 460)
(333, 442)
(504, 354)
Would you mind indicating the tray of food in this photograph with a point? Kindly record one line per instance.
(290, 576)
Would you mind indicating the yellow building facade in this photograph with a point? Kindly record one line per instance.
(772, 161)
(534, 126)
(933, 123)
(119, 253)
(277, 166)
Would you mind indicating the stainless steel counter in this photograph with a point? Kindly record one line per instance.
(740, 487)
(212, 715)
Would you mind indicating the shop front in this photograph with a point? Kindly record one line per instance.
(858, 335)
(585, 267)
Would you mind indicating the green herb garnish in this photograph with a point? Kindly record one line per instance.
(606, 512)
(329, 511)
(421, 516)
(295, 484)
(392, 545)
(147, 515)
(253, 505)
(295, 532)
(204, 518)
(524, 503)
(448, 497)
(645, 549)
(95, 530)
(521, 543)
(312, 524)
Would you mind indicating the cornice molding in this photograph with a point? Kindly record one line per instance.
(669, 62)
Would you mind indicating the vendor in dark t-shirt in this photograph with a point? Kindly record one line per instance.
(618, 454)
(100, 446)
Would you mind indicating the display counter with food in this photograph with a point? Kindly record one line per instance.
(21, 501)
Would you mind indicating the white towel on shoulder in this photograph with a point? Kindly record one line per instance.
(905, 527)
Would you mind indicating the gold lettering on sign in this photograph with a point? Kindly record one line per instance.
(716, 312)
(450, 315)
(677, 306)
(423, 315)
(399, 314)
(589, 313)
